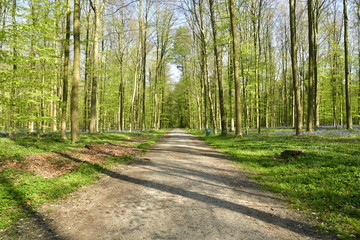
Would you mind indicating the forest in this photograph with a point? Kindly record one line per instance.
(86, 85)
(133, 65)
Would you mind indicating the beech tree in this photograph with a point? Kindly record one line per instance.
(235, 63)
(65, 72)
(346, 48)
(296, 89)
(218, 69)
(75, 130)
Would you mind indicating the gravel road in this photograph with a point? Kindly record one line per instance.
(181, 189)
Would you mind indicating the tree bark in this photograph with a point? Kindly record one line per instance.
(358, 29)
(310, 110)
(296, 89)
(349, 124)
(235, 62)
(75, 130)
(65, 73)
(218, 70)
(95, 74)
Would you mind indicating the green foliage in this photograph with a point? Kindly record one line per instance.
(181, 50)
(324, 182)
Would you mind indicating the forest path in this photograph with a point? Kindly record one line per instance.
(182, 189)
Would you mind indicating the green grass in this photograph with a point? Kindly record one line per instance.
(324, 183)
(21, 192)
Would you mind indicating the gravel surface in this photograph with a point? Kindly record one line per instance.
(181, 189)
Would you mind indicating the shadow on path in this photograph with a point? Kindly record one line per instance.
(295, 226)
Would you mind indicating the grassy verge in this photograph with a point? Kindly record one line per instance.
(21, 192)
(324, 182)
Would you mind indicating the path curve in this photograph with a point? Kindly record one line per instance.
(182, 189)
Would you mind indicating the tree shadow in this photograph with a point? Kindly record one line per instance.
(289, 224)
(36, 218)
(181, 175)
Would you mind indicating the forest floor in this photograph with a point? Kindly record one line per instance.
(40, 168)
(181, 189)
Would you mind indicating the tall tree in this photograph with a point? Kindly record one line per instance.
(75, 129)
(218, 66)
(358, 46)
(311, 90)
(293, 49)
(98, 9)
(143, 40)
(65, 72)
(235, 63)
(349, 124)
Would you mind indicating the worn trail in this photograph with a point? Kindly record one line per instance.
(182, 189)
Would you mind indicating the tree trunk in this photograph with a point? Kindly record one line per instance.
(310, 110)
(121, 96)
(218, 70)
(347, 91)
(87, 74)
(358, 32)
(238, 124)
(95, 74)
(65, 73)
(14, 68)
(75, 130)
(296, 89)
(316, 75)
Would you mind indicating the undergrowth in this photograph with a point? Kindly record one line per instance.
(324, 182)
(21, 192)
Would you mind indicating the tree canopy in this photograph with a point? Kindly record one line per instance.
(235, 60)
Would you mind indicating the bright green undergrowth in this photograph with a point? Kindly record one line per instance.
(22, 192)
(324, 182)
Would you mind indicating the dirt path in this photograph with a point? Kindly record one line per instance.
(182, 189)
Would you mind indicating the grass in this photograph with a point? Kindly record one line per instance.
(324, 182)
(21, 192)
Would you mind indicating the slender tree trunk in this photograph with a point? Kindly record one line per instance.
(238, 124)
(65, 73)
(14, 68)
(230, 91)
(87, 75)
(349, 124)
(310, 110)
(218, 70)
(259, 69)
(297, 105)
(95, 74)
(316, 75)
(121, 95)
(143, 36)
(143, 118)
(358, 33)
(75, 130)
(134, 97)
